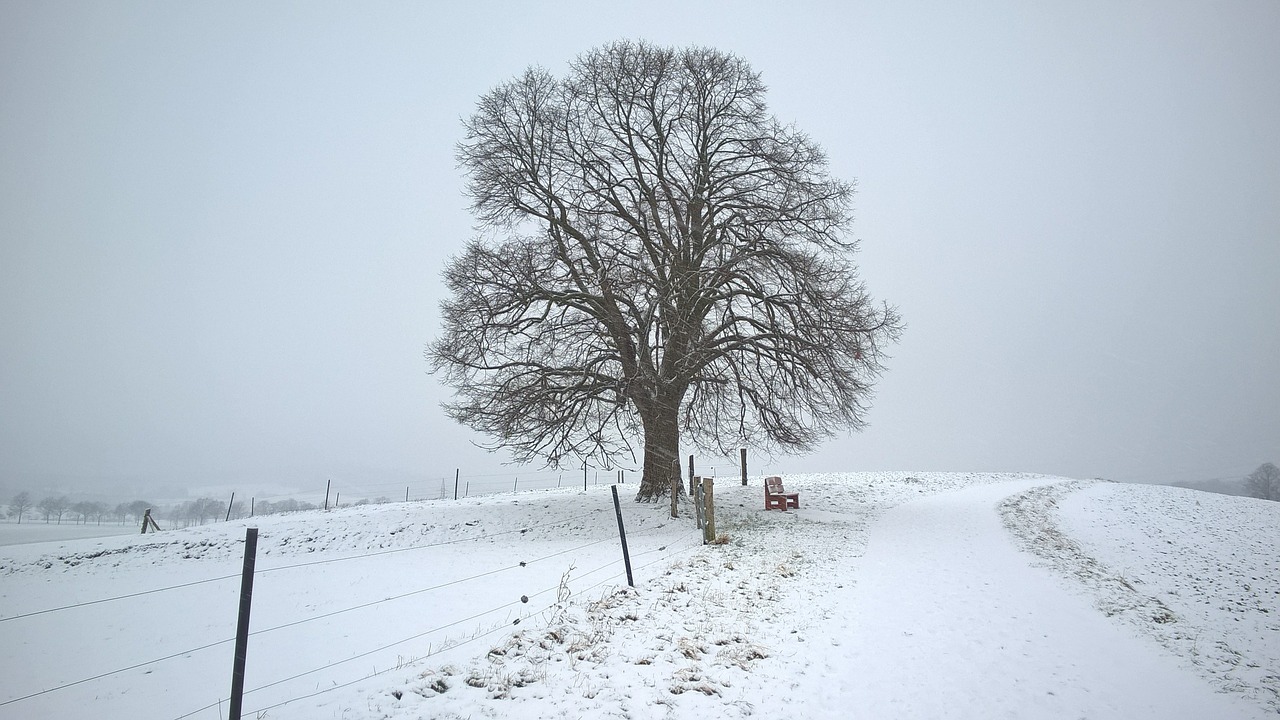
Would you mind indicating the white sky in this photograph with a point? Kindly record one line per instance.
(222, 226)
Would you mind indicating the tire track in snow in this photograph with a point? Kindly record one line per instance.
(1034, 518)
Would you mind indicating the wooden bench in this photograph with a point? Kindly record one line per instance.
(775, 496)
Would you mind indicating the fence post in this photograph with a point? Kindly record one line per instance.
(406, 493)
(146, 520)
(695, 492)
(456, 473)
(230, 502)
(744, 466)
(690, 466)
(708, 510)
(622, 533)
(675, 487)
(251, 501)
(584, 476)
(327, 483)
(242, 624)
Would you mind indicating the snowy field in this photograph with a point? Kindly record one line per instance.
(887, 595)
(38, 531)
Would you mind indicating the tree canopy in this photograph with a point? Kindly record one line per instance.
(660, 257)
(1264, 482)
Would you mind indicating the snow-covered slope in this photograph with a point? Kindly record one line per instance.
(885, 595)
(1198, 572)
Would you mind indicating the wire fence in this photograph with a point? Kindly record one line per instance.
(602, 531)
(341, 491)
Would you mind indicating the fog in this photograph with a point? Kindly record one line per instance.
(222, 227)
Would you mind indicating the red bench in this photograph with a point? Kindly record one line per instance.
(775, 496)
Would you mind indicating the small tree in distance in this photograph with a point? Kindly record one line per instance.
(1264, 482)
(139, 508)
(82, 510)
(667, 260)
(54, 506)
(20, 505)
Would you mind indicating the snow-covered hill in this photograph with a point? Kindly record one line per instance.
(885, 595)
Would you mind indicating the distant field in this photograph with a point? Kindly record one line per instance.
(12, 533)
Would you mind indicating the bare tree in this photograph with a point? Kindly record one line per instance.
(139, 508)
(98, 510)
(664, 259)
(20, 505)
(82, 510)
(54, 505)
(202, 509)
(1264, 482)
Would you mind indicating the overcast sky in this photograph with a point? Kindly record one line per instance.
(222, 226)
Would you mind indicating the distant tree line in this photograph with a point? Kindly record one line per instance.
(57, 508)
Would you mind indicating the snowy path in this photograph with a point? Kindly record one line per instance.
(951, 620)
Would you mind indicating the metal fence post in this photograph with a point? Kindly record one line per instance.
(622, 533)
(242, 625)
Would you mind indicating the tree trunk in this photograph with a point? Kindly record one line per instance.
(661, 448)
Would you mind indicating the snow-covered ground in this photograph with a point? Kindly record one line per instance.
(1197, 572)
(885, 595)
(37, 531)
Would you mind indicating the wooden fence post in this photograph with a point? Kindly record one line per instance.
(327, 484)
(230, 502)
(744, 466)
(695, 492)
(456, 473)
(708, 510)
(675, 487)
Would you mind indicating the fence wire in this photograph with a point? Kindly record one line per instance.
(679, 546)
